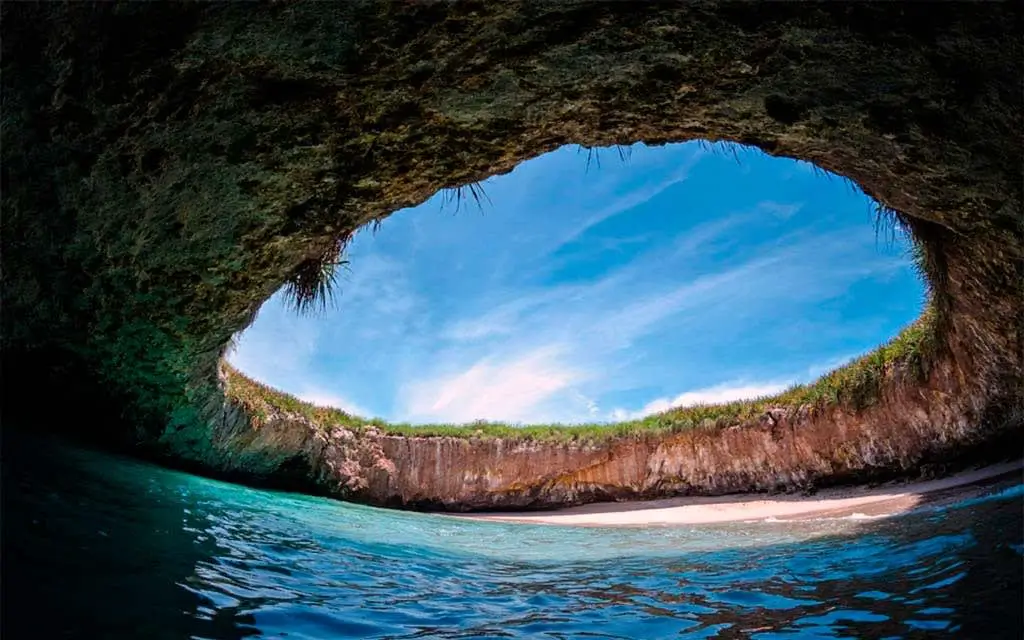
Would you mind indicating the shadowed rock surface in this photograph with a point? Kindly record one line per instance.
(167, 167)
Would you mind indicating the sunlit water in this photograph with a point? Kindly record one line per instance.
(97, 546)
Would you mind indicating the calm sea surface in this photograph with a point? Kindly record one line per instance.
(97, 546)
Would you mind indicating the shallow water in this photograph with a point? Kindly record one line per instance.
(97, 546)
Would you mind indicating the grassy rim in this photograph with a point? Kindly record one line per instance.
(854, 386)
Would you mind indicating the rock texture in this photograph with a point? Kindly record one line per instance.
(915, 430)
(166, 167)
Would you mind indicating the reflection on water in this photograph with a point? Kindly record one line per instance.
(102, 547)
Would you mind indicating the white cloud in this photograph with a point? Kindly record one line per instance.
(698, 239)
(323, 398)
(281, 345)
(817, 370)
(560, 341)
(503, 319)
(781, 210)
(593, 409)
(487, 377)
(512, 390)
(636, 197)
(638, 318)
(730, 391)
(717, 394)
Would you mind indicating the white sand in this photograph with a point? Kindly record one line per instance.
(826, 503)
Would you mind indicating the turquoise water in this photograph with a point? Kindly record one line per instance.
(97, 546)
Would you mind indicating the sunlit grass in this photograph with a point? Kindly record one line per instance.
(854, 386)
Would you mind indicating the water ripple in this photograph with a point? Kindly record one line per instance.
(171, 555)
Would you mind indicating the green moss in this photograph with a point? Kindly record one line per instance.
(855, 386)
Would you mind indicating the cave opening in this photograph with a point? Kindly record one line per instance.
(594, 286)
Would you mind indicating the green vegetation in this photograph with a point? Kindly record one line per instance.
(854, 386)
(312, 285)
(460, 195)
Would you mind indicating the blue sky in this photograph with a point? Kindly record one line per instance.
(684, 274)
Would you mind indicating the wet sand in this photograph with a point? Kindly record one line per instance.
(828, 503)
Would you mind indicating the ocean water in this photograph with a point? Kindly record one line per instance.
(98, 546)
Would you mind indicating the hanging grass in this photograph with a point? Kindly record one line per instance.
(313, 284)
(460, 195)
(624, 153)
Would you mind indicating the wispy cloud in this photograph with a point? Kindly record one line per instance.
(504, 319)
(502, 382)
(636, 197)
(781, 210)
(701, 238)
(727, 392)
(821, 368)
(592, 327)
(734, 390)
(324, 398)
(280, 348)
(515, 390)
(635, 319)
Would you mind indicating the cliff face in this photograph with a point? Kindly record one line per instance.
(167, 167)
(913, 428)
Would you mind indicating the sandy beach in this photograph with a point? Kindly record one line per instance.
(827, 503)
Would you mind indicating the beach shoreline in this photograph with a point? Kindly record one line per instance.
(882, 501)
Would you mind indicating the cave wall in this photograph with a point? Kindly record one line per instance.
(166, 167)
(916, 429)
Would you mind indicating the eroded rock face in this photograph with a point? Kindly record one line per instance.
(167, 167)
(786, 450)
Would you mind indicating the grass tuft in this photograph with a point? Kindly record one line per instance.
(889, 224)
(624, 152)
(462, 194)
(722, 148)
(312, 285)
